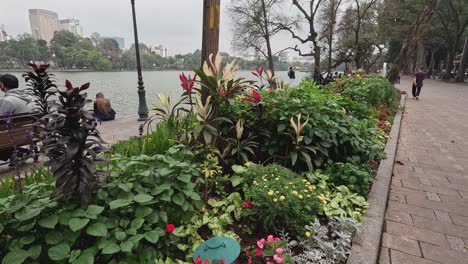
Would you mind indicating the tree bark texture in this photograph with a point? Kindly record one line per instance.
(410, 42)
(210, 39)
(271, 64)
(464, 59)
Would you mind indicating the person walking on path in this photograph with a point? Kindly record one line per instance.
(102, 108)
(292, 76)
(418, 79)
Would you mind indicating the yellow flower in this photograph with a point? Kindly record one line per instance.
(276, 179)
(276, 192)
(291, 183)
(286, 187)
(306, 191)
(271, 193)
(294, 192)
(282, 198)
(300, 196)
(307, 234)
(264, 179)
(304, 180)
(308, 196)
(275, 200)
(255, 182)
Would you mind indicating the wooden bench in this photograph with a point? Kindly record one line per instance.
(20, 133)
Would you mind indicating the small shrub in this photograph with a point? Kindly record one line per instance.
(282, 200)
(326, 244)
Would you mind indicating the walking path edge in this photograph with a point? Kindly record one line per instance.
(366, 244)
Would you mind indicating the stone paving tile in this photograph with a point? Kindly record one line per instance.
(398, 257)
(428, 201)
(443, 255)
(402, 244)
(384, 256)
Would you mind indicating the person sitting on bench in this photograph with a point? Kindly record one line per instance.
(16, 101)
(102, 108)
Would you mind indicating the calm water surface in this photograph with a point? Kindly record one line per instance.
(121, 87)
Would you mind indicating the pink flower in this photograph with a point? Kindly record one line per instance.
(258, 252)
(222, 92)
(276, 239)
(249, 261)
(187, 83)
(198, 260)
(222, 262)
(261, 243)
(270, 238)
(279, 251)
(206, 262)
(269, 262)
(278, 259)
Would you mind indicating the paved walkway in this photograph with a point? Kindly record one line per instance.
(119, 129)
(426, 220)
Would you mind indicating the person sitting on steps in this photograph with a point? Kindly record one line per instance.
(102, 108)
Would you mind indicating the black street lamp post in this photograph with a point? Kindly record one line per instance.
(142, 107)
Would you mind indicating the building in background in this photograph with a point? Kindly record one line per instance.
(72, 25)
(120, 41)
(159, 50)
(44, 23)
(284, 56)
(3, 34)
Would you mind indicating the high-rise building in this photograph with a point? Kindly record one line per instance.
(72, 25)
(43, 23)
(120, 41)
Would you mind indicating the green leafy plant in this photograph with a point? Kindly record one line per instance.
(72, 144)
(40, 85)
(343, 202)
(8, 185)
(282, 200)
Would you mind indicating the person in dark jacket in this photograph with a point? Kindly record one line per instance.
(418, 79)
(103, 109)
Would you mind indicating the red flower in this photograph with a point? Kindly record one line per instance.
(249, 261)
(258, 252)
(247, 204)
(198, 260)
(222, 92)
(170, 228)
(222, 262)
(206, 262)
(187, 83)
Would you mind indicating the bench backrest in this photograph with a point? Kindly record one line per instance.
(22, 125)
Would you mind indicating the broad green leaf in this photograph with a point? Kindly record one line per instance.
(97, 230)
(27, 213)
(143, 198)
(236, 180)
(110, 248)
(120, 235)
(49, 222)
(184, 178)
(126, 246)
(27, 227)
(119, 203)
(35, 251)
(84, 259)
(17, 256)
(152, 236)
(178, 199)
(163, 216)
(26, 240)
(93, 210)
(59, 252)
(54, 237)
(76, 224)
(143, 211)
(137, 223)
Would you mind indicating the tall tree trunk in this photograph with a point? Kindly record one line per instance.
(267, 36)
(449, 65)
(432, 63)
(317, 52)
(421, 54)
(210, 41)
(461, 69)
(330, 51)
(411, 40)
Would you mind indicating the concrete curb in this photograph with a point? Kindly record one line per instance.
(366, 246)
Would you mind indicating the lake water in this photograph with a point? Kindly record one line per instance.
(121, 87)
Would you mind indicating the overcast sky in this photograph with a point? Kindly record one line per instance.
(176, 24)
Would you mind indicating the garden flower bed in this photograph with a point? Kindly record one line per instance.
(285, 172)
